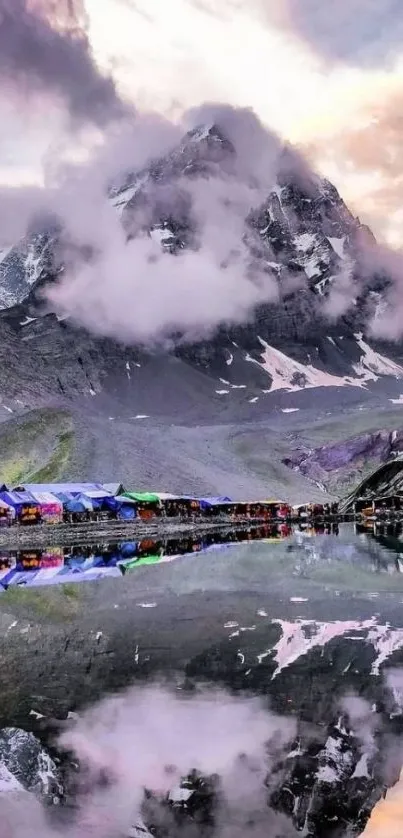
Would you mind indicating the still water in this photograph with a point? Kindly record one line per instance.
(306, 619)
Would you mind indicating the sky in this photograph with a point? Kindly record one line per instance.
(324, 74)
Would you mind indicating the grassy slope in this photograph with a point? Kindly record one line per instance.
(36, 447)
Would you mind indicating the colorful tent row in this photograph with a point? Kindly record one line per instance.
(40, 505)
(31, 503)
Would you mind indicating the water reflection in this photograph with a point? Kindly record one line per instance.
(378, 546)
(60, 565)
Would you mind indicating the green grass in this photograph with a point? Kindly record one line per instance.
(58, 462)
(36, 447)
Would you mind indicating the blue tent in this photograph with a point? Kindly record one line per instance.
(209, 503)
(126, 511)
(128, 549)
(75, 503)
(17, 500)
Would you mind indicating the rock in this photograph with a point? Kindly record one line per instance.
(25, 765)
(340, 464)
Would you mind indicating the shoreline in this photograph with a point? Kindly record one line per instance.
(22, 537)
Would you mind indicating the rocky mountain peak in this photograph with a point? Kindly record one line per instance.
(300, 232)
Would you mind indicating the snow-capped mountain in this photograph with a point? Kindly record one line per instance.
(302, 229)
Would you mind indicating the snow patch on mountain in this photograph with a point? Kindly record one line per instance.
(121, 195)
(372, 364)
(299, 637)
(4, 251)
(33, 264)
(338, 245)
(334, 761)
(8, 782)
(23, 757)
(163, 236)
(292, 376)
(309, 253)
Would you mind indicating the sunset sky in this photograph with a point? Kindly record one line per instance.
(325, 74)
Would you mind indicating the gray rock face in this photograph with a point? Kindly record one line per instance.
(23, 267)
(25, 763)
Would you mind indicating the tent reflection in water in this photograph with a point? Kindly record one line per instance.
(7, 567)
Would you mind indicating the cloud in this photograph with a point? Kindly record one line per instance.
(148, 739)
(370, 153)
(134, 291)
(363, 33)
(44, 49)
(356, 32)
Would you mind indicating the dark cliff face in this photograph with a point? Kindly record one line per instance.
(302, 234)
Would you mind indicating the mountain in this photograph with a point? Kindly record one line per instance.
(288, 364)
(302, 234)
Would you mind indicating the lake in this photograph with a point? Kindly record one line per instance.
(306, 621)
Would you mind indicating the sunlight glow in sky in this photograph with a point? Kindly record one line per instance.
(170, 55)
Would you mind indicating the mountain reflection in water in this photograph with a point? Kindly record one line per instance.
(308, 619)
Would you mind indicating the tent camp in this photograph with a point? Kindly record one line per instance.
(27, 509)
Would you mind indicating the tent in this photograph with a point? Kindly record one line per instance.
(147, 503)
(76, 503)
(131, 564)
(211, 503)
(114, 488)
(7, 568)
(26, 508)
(139, 497)
(69, 488)
(52, 557)
(126, 511)
(7, 513)
(51, 507)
